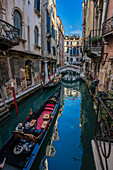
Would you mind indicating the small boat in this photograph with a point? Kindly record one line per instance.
(54, 83)
(24, 145)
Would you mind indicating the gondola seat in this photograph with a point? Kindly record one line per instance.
(46, 116)
(27, 137)
(33, 122)
(44, 124)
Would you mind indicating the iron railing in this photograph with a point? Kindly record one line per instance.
(93, 40)
(104, 130)
(9, 33)
(107, 26)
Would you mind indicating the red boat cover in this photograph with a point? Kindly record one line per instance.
(50, 105)
(40, 119)
(49, 108)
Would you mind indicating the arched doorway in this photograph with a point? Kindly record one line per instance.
(28, 68)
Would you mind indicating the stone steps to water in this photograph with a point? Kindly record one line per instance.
(4, 111)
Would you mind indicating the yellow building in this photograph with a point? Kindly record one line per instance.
(73, 49)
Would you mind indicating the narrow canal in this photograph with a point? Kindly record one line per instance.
(68, 146)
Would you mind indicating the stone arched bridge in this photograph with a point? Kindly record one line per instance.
(70, 67)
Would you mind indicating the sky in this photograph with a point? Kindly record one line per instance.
(70, 12)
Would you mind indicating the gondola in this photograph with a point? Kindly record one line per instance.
(23, 147)
(54, 83)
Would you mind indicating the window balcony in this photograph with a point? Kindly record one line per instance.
(93, 43)
(107, 27)
(9, 35)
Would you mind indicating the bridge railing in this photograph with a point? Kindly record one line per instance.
(66, 66)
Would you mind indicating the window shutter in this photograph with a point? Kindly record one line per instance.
(35, 4)
(18, 21)
(38, 5)
(36, 36)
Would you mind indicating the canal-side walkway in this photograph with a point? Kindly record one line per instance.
(22, 95)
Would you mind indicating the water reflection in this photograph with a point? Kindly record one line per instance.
(50, 149)
(73, 131)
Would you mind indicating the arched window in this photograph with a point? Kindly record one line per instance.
(18, 21)
(36, 36)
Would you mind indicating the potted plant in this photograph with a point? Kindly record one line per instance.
(99, 39)
(85, 48)
(94, 40)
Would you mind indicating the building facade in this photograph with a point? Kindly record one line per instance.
(48, 38)
(20, 62)
(106, 66)
(73, 50)
(87, 10)
(60, 43)
(98, 45)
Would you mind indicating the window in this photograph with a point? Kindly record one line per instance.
(71, 42)
(37, 5)
(67, 42)
(67, 59)
(77, 51)
(48, 23)
(77, 42)
(81, 49)
(71, 51)
(77, 59)
(81, 60)
(54, 51)
(49, 46)
(18, 21)
(74, 51)
(53, 32)
(36, 36)
(68, 50)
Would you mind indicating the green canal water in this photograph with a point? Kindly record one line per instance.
(68, 145)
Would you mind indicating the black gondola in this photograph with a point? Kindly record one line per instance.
(27, 145)
(54, 83)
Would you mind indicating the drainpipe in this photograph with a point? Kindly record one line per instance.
(93, 15)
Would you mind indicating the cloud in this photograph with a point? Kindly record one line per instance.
(77, 32)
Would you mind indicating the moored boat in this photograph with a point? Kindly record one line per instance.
(24, 145)
(54, 83)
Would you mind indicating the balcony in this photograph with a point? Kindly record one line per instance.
(9, 35)
(107, 28)
(92, 44)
